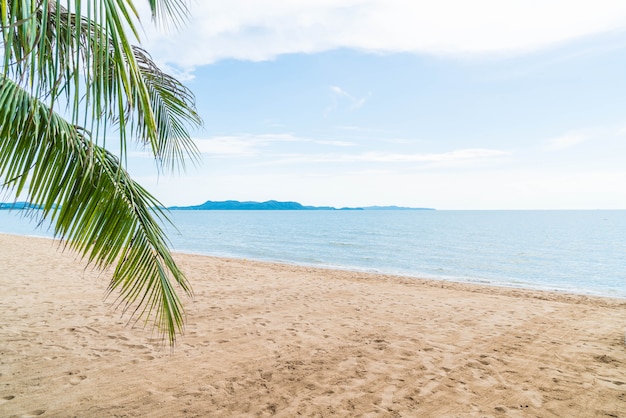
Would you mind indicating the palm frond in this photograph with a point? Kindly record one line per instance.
(93, 203)
(166, 11)
(77, 58)
(170, 101)
(85, 58)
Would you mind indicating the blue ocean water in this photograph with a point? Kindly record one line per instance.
(575, 251)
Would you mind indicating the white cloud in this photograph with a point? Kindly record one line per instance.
(338, 95)
(437, 158)
(253, 30)
(356, 103)
(605, 135)
(226, 146)
(566, 141)
(462, 157)
(240, 145)
(246, 145)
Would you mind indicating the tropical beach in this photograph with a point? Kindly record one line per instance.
(266, 339)
(502, 122)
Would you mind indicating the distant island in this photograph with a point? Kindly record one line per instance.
(275, 205)
(18, 206)
(233, 205)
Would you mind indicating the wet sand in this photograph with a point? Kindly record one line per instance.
(266, 339)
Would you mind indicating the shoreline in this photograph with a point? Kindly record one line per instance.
(505, 257)
(268, 339)
(466, 286)
(436, 280)
(430, 281)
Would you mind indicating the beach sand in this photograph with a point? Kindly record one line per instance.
(266, 339)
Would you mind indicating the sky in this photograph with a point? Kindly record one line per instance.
(449, 104)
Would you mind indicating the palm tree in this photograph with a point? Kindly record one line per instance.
(71, 80)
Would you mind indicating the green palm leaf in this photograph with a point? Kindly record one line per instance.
(81, 62)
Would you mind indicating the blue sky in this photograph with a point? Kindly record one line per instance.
(501, 105)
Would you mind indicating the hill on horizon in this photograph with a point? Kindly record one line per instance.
(276, 205)
(18, 206)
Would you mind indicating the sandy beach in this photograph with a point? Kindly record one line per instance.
(266, 339)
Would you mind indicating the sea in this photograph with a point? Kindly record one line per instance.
(581, 252)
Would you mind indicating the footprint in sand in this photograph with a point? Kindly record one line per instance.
(387, 396)
(143, 358)
(117, 337)
(135, 346)
(6, 399)
(77, 379)
(34, 413)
